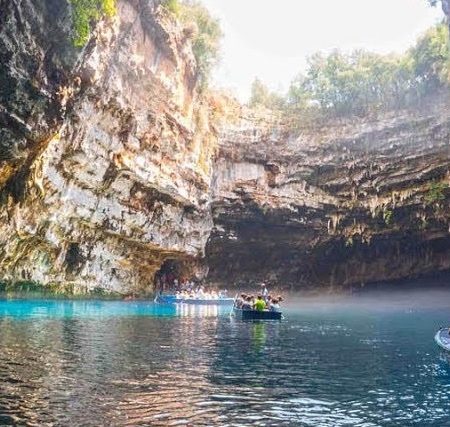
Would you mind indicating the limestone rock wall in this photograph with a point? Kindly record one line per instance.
(119, 180)
(343, 204)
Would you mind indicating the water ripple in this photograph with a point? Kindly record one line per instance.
(198, 369)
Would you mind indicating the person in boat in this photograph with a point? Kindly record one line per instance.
(260, 304)
(240, 300)
(275, 305)
(264, 291)
(200, 292)
(247, 303)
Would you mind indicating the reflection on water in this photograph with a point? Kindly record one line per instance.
(259, 335)
(56, 308)
(93, 308)
(200, 310)
(115, 364)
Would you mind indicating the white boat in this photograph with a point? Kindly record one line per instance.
(174, 299)
(442, 338)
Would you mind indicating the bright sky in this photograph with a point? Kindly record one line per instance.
(271, 39)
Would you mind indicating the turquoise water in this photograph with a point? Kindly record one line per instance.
(362, 361)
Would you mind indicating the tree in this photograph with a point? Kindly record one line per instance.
(431, 58)
(262, 96)
(206, 39)
(204, 31)
(298, 96)
(362, 82)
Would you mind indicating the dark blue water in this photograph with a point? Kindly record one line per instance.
(357, 362)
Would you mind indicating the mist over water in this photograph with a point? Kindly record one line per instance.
(408, 298)
(363, 360)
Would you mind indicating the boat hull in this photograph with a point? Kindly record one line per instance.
(256, 315)
(172, 299)
(442, 339)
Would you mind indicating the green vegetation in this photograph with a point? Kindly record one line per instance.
(205, 36)
(262, 96)
(431, 59)
(206, 41)
(387, 217)
(84, 13)
(436, 192)
(173, 6)
(37, 290)
(23, 286)
(361, 82)
(349, 242)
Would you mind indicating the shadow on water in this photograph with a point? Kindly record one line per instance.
(367, 360)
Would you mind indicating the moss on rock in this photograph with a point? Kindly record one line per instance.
(84, 13)
(30, 289)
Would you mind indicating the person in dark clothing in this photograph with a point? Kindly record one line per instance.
(247, 304)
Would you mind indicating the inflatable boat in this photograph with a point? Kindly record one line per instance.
(442, 338)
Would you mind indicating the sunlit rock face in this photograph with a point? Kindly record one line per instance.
(342, 204)
(110, 173)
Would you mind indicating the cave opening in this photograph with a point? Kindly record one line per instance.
(174, 272)
(168, 275)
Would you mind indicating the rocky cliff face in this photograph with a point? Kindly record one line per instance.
(343, 204)
(109, 167)
(106, 152)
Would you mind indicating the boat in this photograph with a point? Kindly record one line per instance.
(442, 338)
(256, 315)
(174, 299)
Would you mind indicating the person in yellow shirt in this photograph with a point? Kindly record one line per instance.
(260, 304)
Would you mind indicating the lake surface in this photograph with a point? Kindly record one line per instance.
(362, 361)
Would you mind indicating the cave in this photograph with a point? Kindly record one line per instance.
(74, 259)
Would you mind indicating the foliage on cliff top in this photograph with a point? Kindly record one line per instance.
(262, 95)
(360, 83)
(436, 192)
(84, 13)
(205, 36)
(173, 6)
